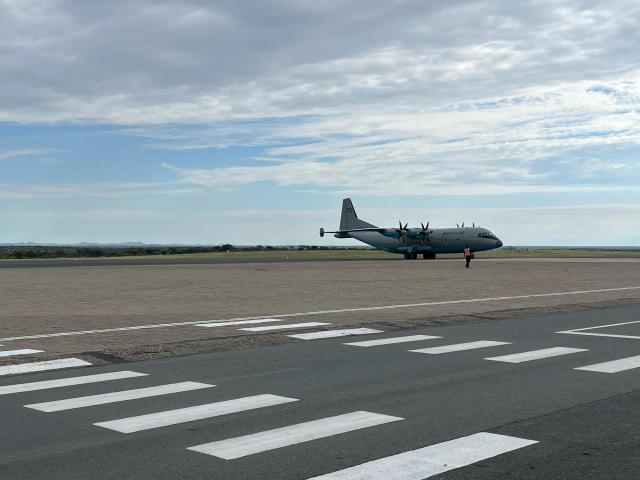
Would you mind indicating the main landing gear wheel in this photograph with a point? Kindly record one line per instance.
(429, 256)
(410, 256)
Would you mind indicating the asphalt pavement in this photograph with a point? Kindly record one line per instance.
(497, 399)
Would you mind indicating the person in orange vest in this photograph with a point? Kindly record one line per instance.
(467, 255)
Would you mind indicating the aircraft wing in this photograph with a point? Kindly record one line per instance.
(350, 230)
(387, 232)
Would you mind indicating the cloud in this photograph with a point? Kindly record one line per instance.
(589, 224)
(170, 61)
(378, 98)
(574, 137)
(9, 154)
(94, 190)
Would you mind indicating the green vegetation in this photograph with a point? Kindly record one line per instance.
(80, 251)
(296, 251)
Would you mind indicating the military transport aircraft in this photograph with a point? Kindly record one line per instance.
(413, 241)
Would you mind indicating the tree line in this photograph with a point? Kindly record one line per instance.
(45, 251)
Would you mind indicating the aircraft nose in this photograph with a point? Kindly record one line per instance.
(499, 243)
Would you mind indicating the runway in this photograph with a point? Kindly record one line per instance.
(284, 258)
(525, 397)
(125, 312)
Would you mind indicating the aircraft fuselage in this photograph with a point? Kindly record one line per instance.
(441, 240)
(413, 241)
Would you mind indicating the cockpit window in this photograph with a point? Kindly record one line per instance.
(487, 235)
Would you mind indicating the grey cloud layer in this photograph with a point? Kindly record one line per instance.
(527, 94)
(158, 61)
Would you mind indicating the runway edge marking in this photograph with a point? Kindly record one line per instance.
(237, 447)
(459, 347)
(432, 460)
(191, 414)
(583, 331)
(614, 366)
(533, 355)
(114, 397)
(319, 312)
(69, 381)
(43, 366)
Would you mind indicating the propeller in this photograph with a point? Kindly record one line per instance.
(425, 232)
(402, 232)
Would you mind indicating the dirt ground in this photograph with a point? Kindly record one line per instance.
(38, 301)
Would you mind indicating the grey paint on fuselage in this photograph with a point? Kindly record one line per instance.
(442, 240)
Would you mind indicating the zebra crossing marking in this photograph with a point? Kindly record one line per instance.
(345, 332)
(392, 340)
(43, 366)
(66, 382)
(614, 366)
(22, 351)
(289, 326)
(458, 347)
(432, 460)
(113, 397)
(292, 434)
(190, 414)
(537, 354)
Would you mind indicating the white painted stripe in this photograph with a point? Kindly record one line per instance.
(433, 460)
(457, 347)
(536, 354)
(345, 332)
(113, 397)
(325, 312)
(42, 366)
(66, 382)
(242, 322)
(392, 340)
(190, 414)
(583, 331)
(23, 351)
(614, 366)
(284, 327)
(291, 435)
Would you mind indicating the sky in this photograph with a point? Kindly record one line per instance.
(247, 122)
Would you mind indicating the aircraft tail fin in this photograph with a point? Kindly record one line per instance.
(349, 219)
